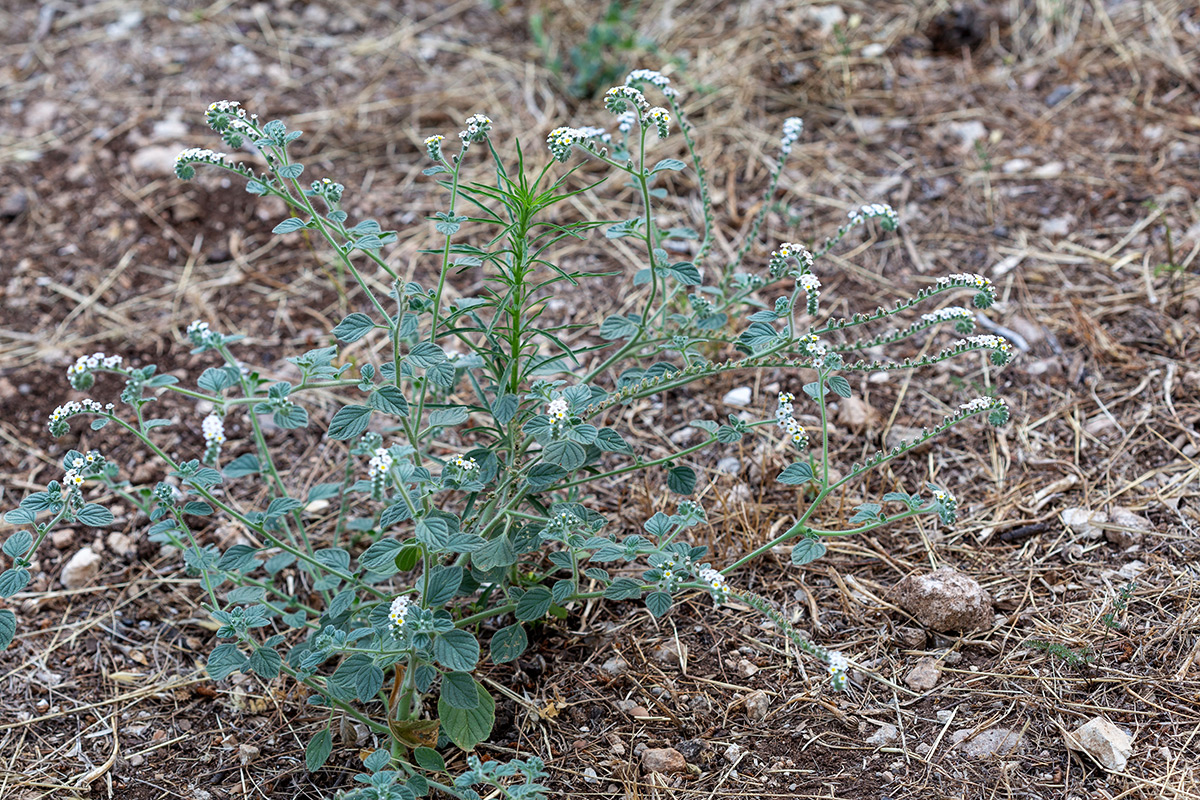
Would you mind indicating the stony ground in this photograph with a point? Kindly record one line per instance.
(1050, 146)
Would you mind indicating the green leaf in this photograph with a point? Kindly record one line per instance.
(445, 417)
(681, 480)
(565, 453)
(806, 551)
(457, 650)
(498, 552)
(434, 533)
(618, 327)
(245, 464)
(318, 750)
(426, 354)
(21, 516)
(814, 390)
(224, 660)
(668, 164)
(533, 604)
(429, 759)
(348, 422)
(290, 171)
(334, 558)
(8, 627)
(18, 544)
(610, 441)
(658, 603)
(353, 327)
(443, 585)
(280, 506)
(460, 691)
(407, 558)
(390, 400)
(265, 662)
(378, 761)
(380, 558)
(94, 515)
(504, 408)
(361, 674)
(799, 472)
(468, 728)
(292, 223)
(543, 475)
(867, 512)
(508, 643)
(13, 580)
(840, 386)
(623, 589)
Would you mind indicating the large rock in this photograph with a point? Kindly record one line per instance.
(1108, 745)
(991, 742)
(665, 760)
(81, 569)
(924, 676)
(945, 600)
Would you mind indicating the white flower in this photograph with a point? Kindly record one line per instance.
(380, 463)
(661, 119)
(557, 409)
(213, 428)
(618, 98)
(465, 464)
(965, 279)
(871, 210)
(792, 128)
(477, 128)
(626, 120)
(399, 609)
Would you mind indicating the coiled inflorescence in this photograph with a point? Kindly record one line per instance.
(653, 77)
(213, 428)
(886, 215)
(378, 470)
(433, 146)
(784, 412)
(204, 337)
(561, 140)
(619, 98)
(778, 265)
(661, 118)
(792, 128)
(477, 128)
(81, 374)
(57, 422)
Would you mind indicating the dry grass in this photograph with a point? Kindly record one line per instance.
(102, 694)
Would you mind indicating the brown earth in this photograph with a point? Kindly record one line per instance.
(1049, 146)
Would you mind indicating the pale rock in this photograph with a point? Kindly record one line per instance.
(987, 743)
(81, 569)
(62, 539)
(968, 132)
(746, 669)
(154, 160)
(247, 753)
(855, 414)
(884, 736)
(668, 654)
(1015, 165)
(827, 17)
(1084, 522)
(120, 544)
(945, 600)
(874, 50)
(730, 465)
(1127, 527)
(590, 776)
(1051, 169)
(1056, 226)
(733, 753)
(740, 396)
(171, 129)
(664, 760)
(757, 705)
(683, 435)
(1108, 745)
(924, 676)
(615, 666)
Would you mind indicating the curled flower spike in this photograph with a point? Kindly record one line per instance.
(653, 77)
(328, 189)
(717, 585)
(792, 128)
(561, 140)
(203, 337)
(1001, 348)
(558, 411)
(788, 424)
(987, 292)
(398, 611)
(886, 215)
(184, 162)
(811, 345)
(811, 285)
(619, 98)
(944, 504)
(626, 120)
(80, 374)
(837, 665)
(213, 428)
(661, 119)
(998, 407)
(224, 114)
(777, 266)
(477, 128)
(57, 422)
(377, 471)
(964, 319)
(433, 146)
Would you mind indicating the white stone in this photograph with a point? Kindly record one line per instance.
(757, 705)
(730, 465)
(1084, 522)
(79, 571)
(154, 160)
(924, 676)
(884, 736)
(740, 396)
(1108, 745)
(746, 669)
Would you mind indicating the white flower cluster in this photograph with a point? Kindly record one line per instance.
(812, 345)
(203, 336)
(982, 404)
(465, 464)
(947, 314)
(787, 422)
(716, 584)
(73, 478)
(557, 410)
(399, 610)
(80, 375)
(59, 416)
(194, 155)
(837, 668)
(662, 82)
(213, 428)
(561, 140)
(991, 341)
(433, 145)
(778, 263)
(626, 120)
(477, 128)
(792, 128)
(619, 98)
(225, 115)
(377, 471)
(945, 504)
(811, 285)
(965, 279)
(871, 210)
(661, 119)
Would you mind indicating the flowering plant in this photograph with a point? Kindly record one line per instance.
(473, 430)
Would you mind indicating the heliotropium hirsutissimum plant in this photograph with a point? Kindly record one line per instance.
(473, 432)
